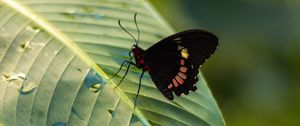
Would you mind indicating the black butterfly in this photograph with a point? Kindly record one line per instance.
(174, 61)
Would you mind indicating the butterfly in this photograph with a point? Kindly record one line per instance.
(173, 62)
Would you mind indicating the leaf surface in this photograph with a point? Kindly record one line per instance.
(56, 58)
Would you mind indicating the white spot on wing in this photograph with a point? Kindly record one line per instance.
(178, 40)
(179, 47)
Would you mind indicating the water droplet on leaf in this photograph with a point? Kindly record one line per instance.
(94, 82)
(28, 88)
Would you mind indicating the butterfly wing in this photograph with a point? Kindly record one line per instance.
(175, 60)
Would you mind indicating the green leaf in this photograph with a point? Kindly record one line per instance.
(56, 58)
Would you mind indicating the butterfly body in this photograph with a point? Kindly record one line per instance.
(138, 54)
(174, 61)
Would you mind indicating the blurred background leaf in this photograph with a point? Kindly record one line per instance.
(254, 74)
(49, 58)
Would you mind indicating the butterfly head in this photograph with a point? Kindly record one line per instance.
(137, 51)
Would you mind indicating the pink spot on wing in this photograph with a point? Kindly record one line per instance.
(183, 69)
(170, 86)
(175, 83)
(182, 62)
(179, 80)
(182, 75)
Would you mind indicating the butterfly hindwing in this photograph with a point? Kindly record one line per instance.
(175, 60)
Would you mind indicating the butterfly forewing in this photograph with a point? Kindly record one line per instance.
(174, 61)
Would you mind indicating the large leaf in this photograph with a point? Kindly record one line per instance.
(56, 56)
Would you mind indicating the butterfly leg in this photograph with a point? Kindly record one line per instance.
(129, 63)
(125, 61)
(137, 94)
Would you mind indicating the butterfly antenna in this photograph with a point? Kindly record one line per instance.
(137, 28)
(119, 22)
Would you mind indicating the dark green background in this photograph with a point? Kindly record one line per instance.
(255, 73)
